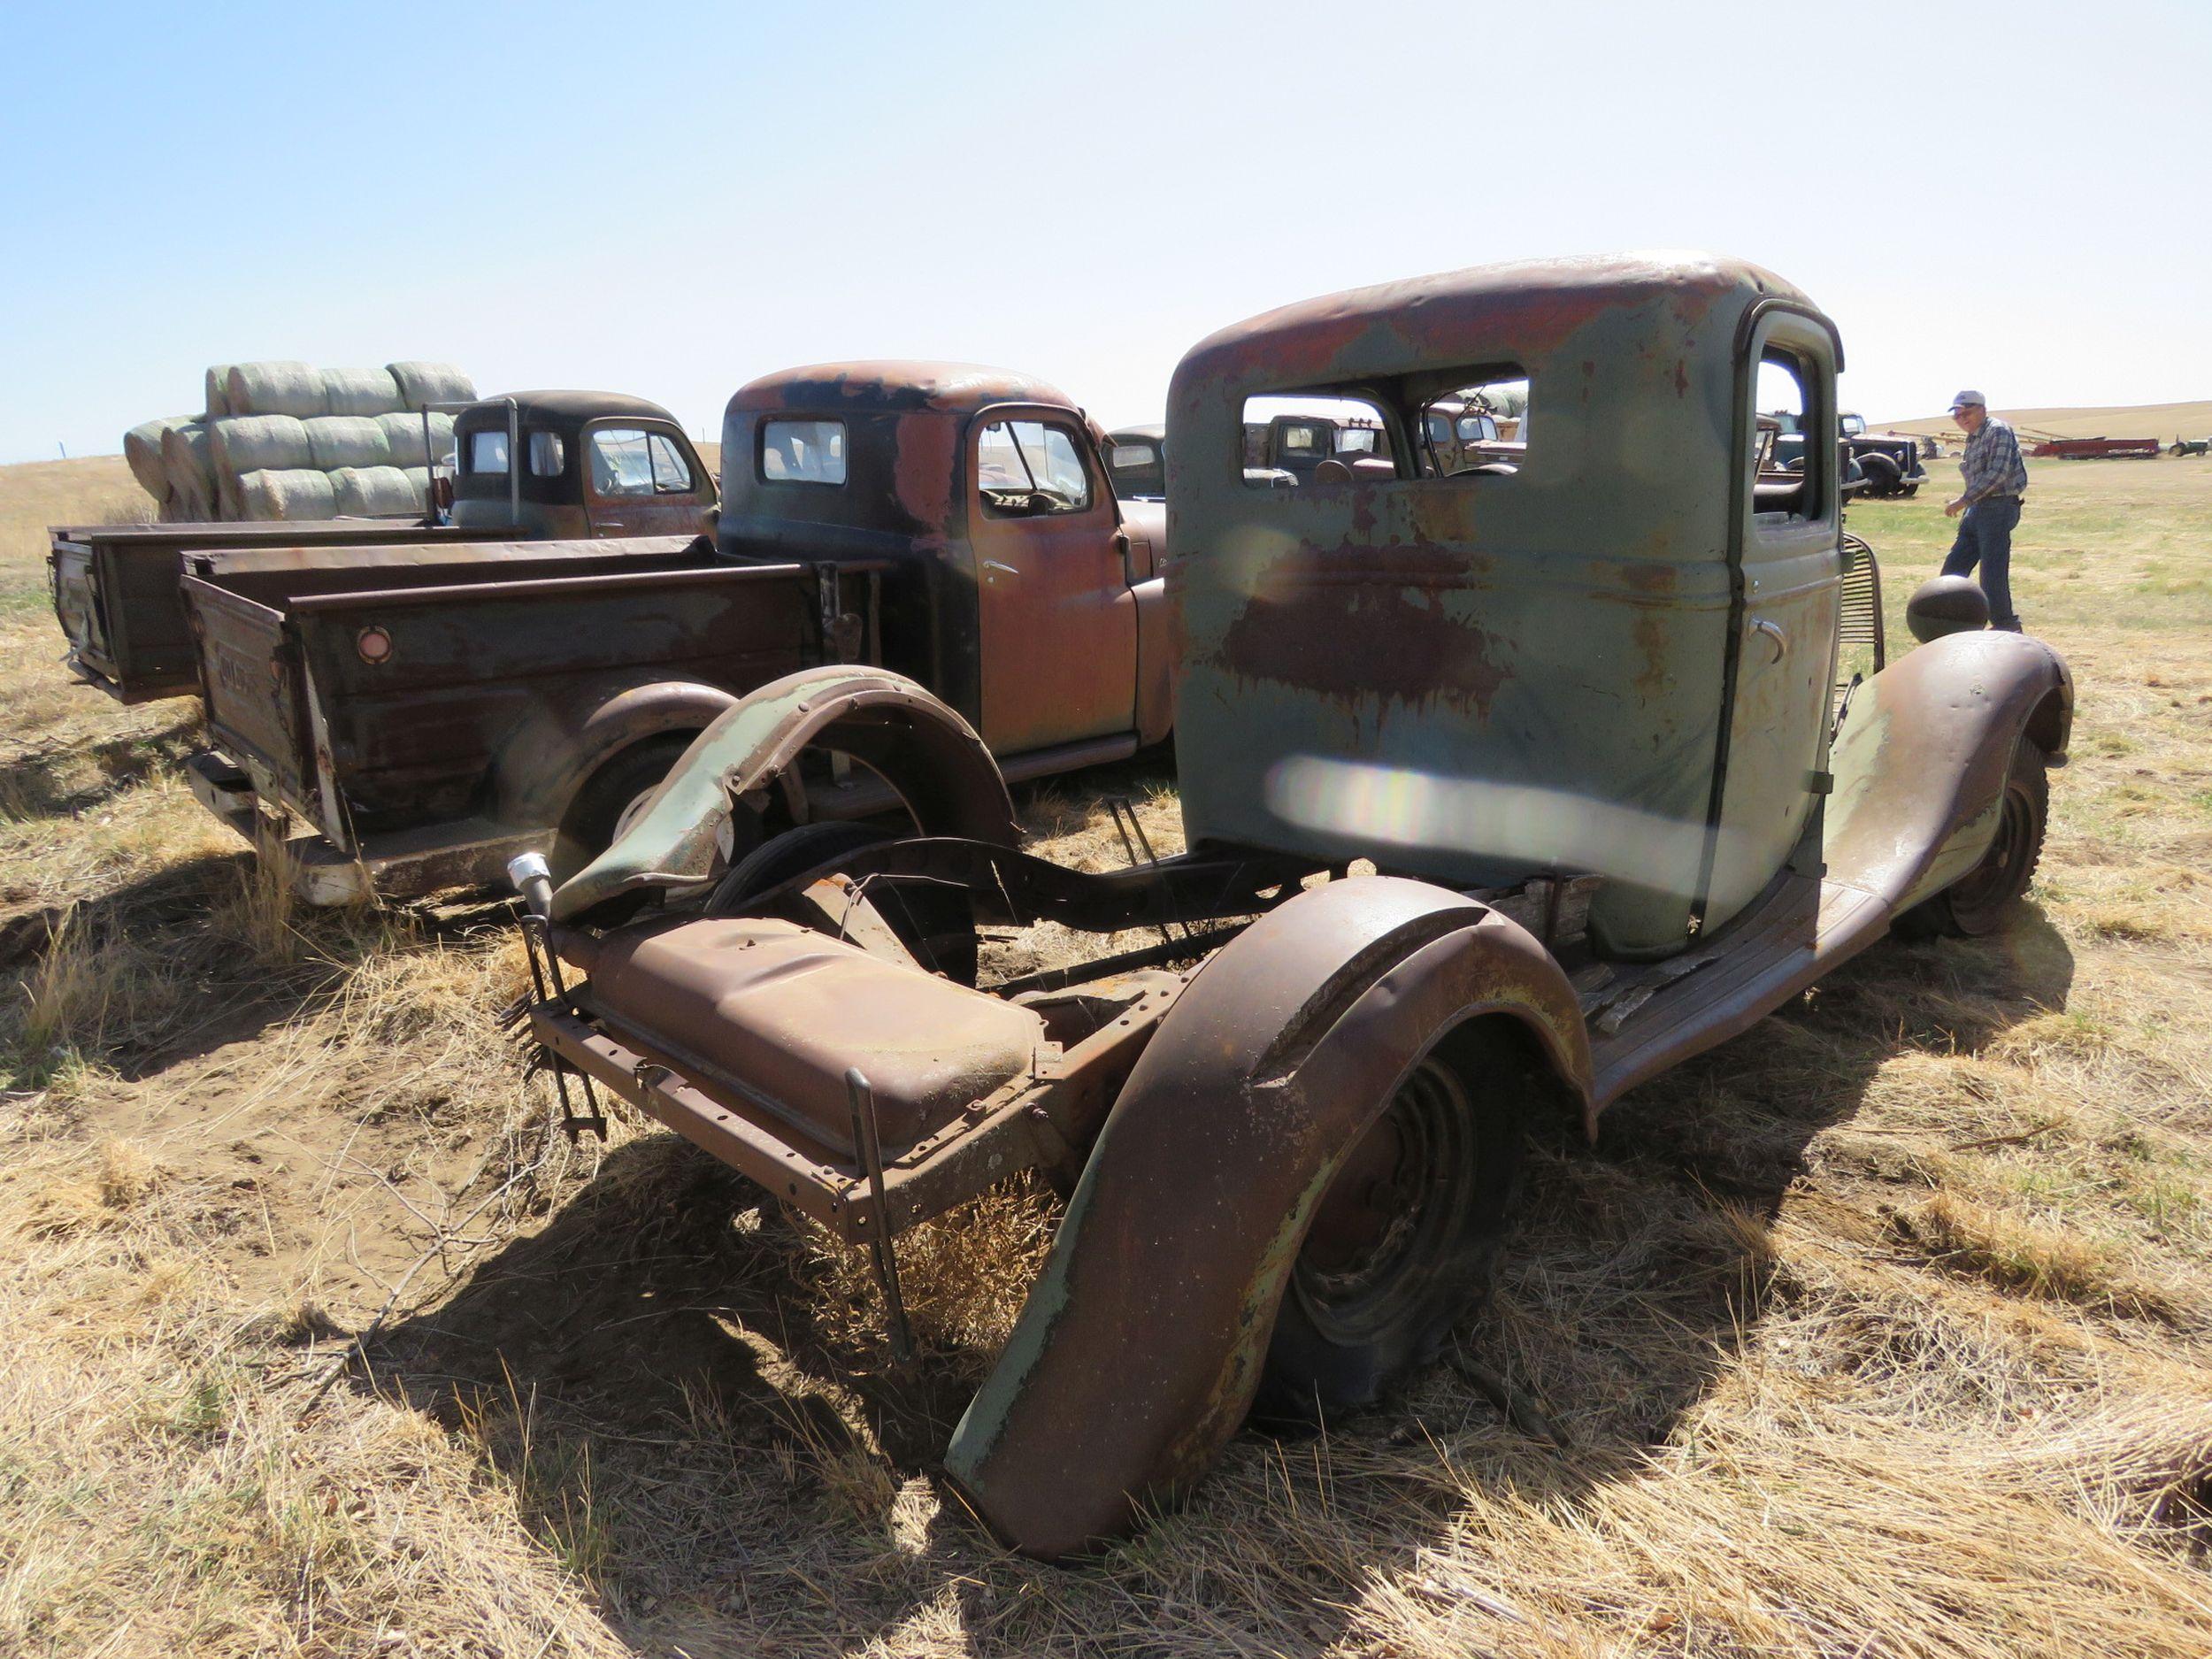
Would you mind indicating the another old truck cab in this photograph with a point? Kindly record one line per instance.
(1024, 593)
(577, 464)
(1577, 710)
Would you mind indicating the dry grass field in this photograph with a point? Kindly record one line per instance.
(1884, 1330)
(2163, 421)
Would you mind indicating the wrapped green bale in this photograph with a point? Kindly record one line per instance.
(423, 383)
(186, 456)
(361, 391)
(219, 393)
(403, 433)
(287, 492)
(374, 492)
(142, 449)
(259, 443)
(336, 440)
(278, 388)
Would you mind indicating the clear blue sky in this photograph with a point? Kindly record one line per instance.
(671, 199)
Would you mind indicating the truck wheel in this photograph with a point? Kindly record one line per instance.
(1882, 472)
(614, 796)
(1978, 901)
(1404, 1243)
(793, 853)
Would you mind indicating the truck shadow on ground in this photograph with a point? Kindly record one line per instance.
(656, 1356)
(61, 780)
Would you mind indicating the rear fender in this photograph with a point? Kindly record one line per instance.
(1920, 761)
(1138, 1352)
(540, 771)
(920, 747)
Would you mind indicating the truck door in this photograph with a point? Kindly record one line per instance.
(1057, 620)
(1790, 547)
(642, 478)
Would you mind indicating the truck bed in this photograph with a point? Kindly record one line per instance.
(373, 702)
(115, 586)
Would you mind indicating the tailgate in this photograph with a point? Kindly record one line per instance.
(257, 694)
(77, 606)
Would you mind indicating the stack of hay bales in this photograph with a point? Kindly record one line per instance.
(286, 441)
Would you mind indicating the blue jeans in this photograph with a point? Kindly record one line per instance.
(1985, 538)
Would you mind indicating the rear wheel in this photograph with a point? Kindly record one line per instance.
(616, 795)
(1978, 902)
(1404, 1242)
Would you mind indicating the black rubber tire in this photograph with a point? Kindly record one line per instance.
(1883, 475)
(1981, 901)
(1910, 490)
(588, 826)
(795, 852)
(1343, 1338)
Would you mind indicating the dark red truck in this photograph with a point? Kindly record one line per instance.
(427, 720)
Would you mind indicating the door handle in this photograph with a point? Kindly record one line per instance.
(993, 564)
(1775, 636)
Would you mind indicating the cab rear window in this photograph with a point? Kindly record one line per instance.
(802, 451)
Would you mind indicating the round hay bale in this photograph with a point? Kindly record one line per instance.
(259, 443)
(403, 433)
(287, 492)
(142, 449)
(374, 492)
(185, 457)
(336, 440)
(219, 393)
(278, 388)
(361, 391)
(421, 383)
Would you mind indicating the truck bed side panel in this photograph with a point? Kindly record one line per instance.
(456, 686)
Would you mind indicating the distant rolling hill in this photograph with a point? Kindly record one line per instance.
(2163, 421)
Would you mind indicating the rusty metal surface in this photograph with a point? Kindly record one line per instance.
(1921, 760)
(770, 1005)
(1473, 677)
(929, 755)
(909, 494)
(1139, 1347)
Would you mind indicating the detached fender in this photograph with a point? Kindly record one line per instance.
(1137, 1353)
(536, 780)
(1920, 761)
(922, 748)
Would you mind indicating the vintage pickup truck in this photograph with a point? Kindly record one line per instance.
(1579, 711)
(116, 587)
(429, 720)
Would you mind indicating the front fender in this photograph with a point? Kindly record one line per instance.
(1139, 1349)
(920, 747)
(1921, 759)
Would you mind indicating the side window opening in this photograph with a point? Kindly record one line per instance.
(1479, 428)
(1030, 469)
(802, 451)
(620, 463)
(1785, 469)
(487, 453)
(1292, 440)
(672, 473)
(549, 455)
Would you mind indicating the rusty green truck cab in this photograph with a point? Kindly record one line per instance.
(1576, 703)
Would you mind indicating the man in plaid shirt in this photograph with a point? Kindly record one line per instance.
(1993, 478)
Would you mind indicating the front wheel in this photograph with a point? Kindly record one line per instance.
(1404, 1242)
(1978, 902)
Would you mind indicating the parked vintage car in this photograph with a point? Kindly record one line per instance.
(1580, 715)
(116, 587)
(427, 721)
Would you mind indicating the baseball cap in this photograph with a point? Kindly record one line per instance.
(1965, 398)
